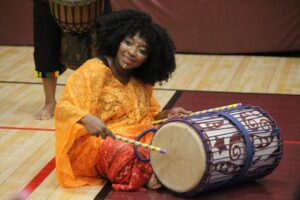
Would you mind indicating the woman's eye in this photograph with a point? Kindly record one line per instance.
(128, 42)
(143, 51)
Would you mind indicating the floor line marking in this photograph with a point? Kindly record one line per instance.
(291, 142)
(37, 180)
(25, 128)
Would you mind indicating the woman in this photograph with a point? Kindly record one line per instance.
(112, 94)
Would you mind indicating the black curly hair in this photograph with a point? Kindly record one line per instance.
(114, 27)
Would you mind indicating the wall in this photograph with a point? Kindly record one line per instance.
(197, 26)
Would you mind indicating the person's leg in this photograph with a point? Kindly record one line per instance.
(153, 183)
(47, 41)
(47, 111)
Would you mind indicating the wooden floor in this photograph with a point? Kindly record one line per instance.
(27, 145)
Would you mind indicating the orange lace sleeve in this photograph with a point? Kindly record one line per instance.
(81, 92)
(154, 106)
(79, 95)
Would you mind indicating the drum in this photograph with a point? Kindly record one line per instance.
(215, 149)
(77, 48)
(76, 16)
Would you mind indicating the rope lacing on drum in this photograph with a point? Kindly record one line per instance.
(250, 149)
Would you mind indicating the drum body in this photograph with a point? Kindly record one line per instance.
(77, 48)
(215, 149)
(76, 16)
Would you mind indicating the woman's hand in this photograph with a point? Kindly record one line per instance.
(177, 111)
(173, 112)
(95, 126)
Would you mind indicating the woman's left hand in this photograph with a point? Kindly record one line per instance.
(177, 111)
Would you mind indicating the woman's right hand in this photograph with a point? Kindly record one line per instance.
(96, 126)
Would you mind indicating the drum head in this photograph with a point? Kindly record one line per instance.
(182, 167)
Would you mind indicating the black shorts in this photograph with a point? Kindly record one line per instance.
(47, 41)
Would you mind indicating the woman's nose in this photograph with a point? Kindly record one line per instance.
(133, 50)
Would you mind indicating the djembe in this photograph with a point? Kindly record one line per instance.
(215, 149)
(76, 19)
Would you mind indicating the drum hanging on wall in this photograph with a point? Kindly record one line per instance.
(215, 149)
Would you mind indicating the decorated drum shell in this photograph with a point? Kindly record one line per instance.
(217, 148)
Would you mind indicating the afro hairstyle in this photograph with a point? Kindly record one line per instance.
(114, 27)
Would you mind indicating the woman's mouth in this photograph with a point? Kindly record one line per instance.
(127, 61)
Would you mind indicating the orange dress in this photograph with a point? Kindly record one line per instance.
(127, 110)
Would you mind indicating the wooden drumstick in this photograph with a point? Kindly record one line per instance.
(228, 107)
(140, 144)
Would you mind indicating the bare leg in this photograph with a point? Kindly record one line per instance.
(47, 111)
(153, 183)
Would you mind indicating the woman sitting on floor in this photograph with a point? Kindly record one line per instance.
(112, 94)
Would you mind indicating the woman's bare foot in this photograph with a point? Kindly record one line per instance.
(46, 112)
(153, 183)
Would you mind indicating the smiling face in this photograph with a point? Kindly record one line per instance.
(132, 53)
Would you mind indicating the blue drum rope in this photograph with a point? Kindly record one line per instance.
(245, 134)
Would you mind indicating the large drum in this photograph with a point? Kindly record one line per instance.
(76, 16)
(215, 149)
(77, 48)
(76, 19)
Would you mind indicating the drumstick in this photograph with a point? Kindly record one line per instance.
(140, 144)
(228, 107)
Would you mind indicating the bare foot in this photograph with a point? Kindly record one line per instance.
(46, 112)
(153, 183)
